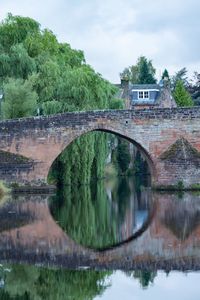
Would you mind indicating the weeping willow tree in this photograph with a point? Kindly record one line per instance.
(72, 167)
(101, 149)
(56, 78)
(74, 164)
(20, 99)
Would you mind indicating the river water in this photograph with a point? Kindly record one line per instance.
(115, 239)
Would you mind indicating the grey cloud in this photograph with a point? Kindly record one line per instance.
(114, 33)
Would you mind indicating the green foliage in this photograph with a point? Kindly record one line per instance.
(181, 95)
(16, 63)
(146, 72)
(141, 73)
(116, 103)
(181, 75)
(145, 277)
(15, 29)
(30, 282)
(60, 73)
(85, 89)
(165, 74)
(195, 186)
(21, 64)
(180, 185)
(140, 164)
(101, 150)
(88, 216)
(47, 80)
(19, 99)
(84, 215)
(62, 284)
(51, 107)
(123, 155)
(82, 168)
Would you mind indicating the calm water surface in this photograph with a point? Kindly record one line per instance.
(113, 240)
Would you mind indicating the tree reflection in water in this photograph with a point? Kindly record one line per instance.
(145, 277)
(29, 282)
(35, 283)
(101, 214)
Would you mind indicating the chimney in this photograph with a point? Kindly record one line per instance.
(124, 83)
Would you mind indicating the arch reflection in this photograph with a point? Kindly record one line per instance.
(104, 214)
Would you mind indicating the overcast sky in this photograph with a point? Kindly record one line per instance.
(114, 33)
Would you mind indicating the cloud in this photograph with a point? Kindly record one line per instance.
(113, 34)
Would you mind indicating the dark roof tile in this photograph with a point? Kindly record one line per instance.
(144, 86)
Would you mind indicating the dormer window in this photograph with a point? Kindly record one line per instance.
(143, 95)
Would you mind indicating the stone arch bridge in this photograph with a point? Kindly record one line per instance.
(168, 138)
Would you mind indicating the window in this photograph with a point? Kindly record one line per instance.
(143, 95)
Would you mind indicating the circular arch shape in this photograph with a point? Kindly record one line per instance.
(121, 134)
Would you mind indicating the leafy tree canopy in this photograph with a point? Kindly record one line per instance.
(123, 155)
(15, 29)
(141, 73)
(58, 74)
(19, 99)
(30, 282)
(181, 75)
(165, 74)
(181, 95)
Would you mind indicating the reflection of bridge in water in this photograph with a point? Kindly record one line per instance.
(171, 241)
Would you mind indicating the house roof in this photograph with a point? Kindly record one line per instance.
(163, 96)
(145, 86)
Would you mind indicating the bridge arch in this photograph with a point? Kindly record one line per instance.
(116, 132)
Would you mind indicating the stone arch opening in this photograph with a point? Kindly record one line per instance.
(120, 134)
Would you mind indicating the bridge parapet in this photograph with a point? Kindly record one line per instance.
(81, 118)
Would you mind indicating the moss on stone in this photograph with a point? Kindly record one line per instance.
(166, 188)
(177, 187)
(7, 157)
(181, 149)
